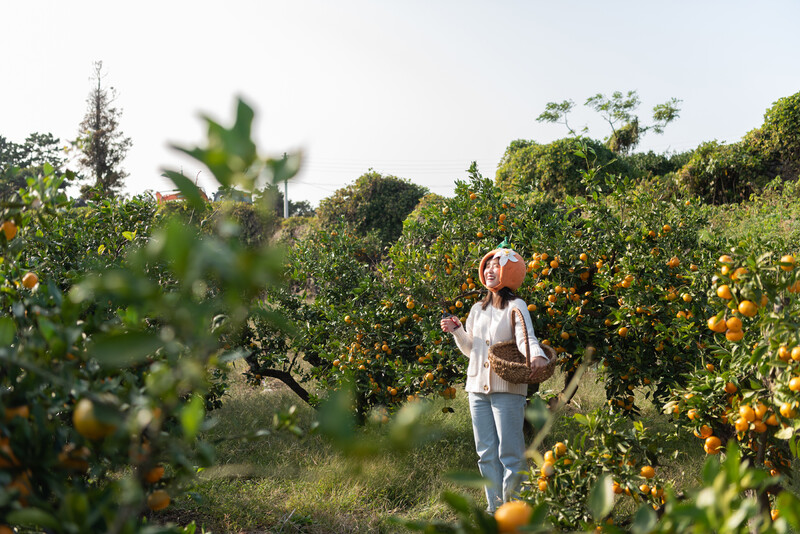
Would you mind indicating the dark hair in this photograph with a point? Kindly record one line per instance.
(505, 294)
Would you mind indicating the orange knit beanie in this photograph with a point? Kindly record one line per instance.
(512, 268)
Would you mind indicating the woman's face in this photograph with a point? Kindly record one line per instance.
(491, 272)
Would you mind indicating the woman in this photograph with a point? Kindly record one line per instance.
(497, 406)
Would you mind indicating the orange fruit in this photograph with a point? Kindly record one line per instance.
(772, 420)
(155, 474)
(794, 383)
(774, 514)
(560, 449)
(795, 354)
(705, 431)
(716, 324)
(22, 483)
(30, 280)
(17, 411)
(788, 259)
(730, 388)
(725, 259)
(748, 308)
(738, 273)
(542, 485)
(9, 229)
(741, 424)
(787, 410)
(724, 292)
(747, 413)
(712, 445)
(623, 332)
(73, 459)
(647, 471)
(86, 422)
(158, 500)
(734, 323)
(734, 335)
(512, 515)
(548, 469)
(7, 458)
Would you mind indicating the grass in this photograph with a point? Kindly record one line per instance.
(287, 484)
(283, 483)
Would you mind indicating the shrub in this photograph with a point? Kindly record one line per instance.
(553, 168)
(720, 173)
(373, 203)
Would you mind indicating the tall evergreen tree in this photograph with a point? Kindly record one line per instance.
(101, 142)
(19, 161)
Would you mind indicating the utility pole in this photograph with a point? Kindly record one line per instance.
(285, 194)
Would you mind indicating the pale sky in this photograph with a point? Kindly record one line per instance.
(413, 88)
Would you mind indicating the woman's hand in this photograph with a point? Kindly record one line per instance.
(538, 363)
(450, 324)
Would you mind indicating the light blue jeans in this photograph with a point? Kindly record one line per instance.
(497, 420)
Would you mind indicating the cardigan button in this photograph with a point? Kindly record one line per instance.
(488, 343)
(486, 364)
(485, 388)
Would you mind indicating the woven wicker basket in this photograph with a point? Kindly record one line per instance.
(513, 366)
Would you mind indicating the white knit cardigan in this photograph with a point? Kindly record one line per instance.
(485, 328)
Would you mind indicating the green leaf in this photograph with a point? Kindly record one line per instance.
(581, 419)
(130, 236)
(191, 193)
(601, 497)
(32, 517)
(710, 469)
(537, 413)
(8, 329)
(644, 520)
(785, 433)
(539, 515)
(124, 350)
(285, 168)
(789, 506)
(101, 249)
(457, 502)
(192, 415)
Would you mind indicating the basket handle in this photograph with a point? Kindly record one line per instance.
(525, 331)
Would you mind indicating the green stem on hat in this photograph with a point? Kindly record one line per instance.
(504, 244)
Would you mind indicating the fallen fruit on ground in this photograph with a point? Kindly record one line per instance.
(512, 515)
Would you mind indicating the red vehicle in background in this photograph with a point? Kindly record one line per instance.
(175, 195)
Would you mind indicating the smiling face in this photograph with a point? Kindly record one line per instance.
(508, 270)
(491, 273)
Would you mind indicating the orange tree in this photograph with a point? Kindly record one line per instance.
(613, 278)
(105, 374)
(610, 455)
(749, 389)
